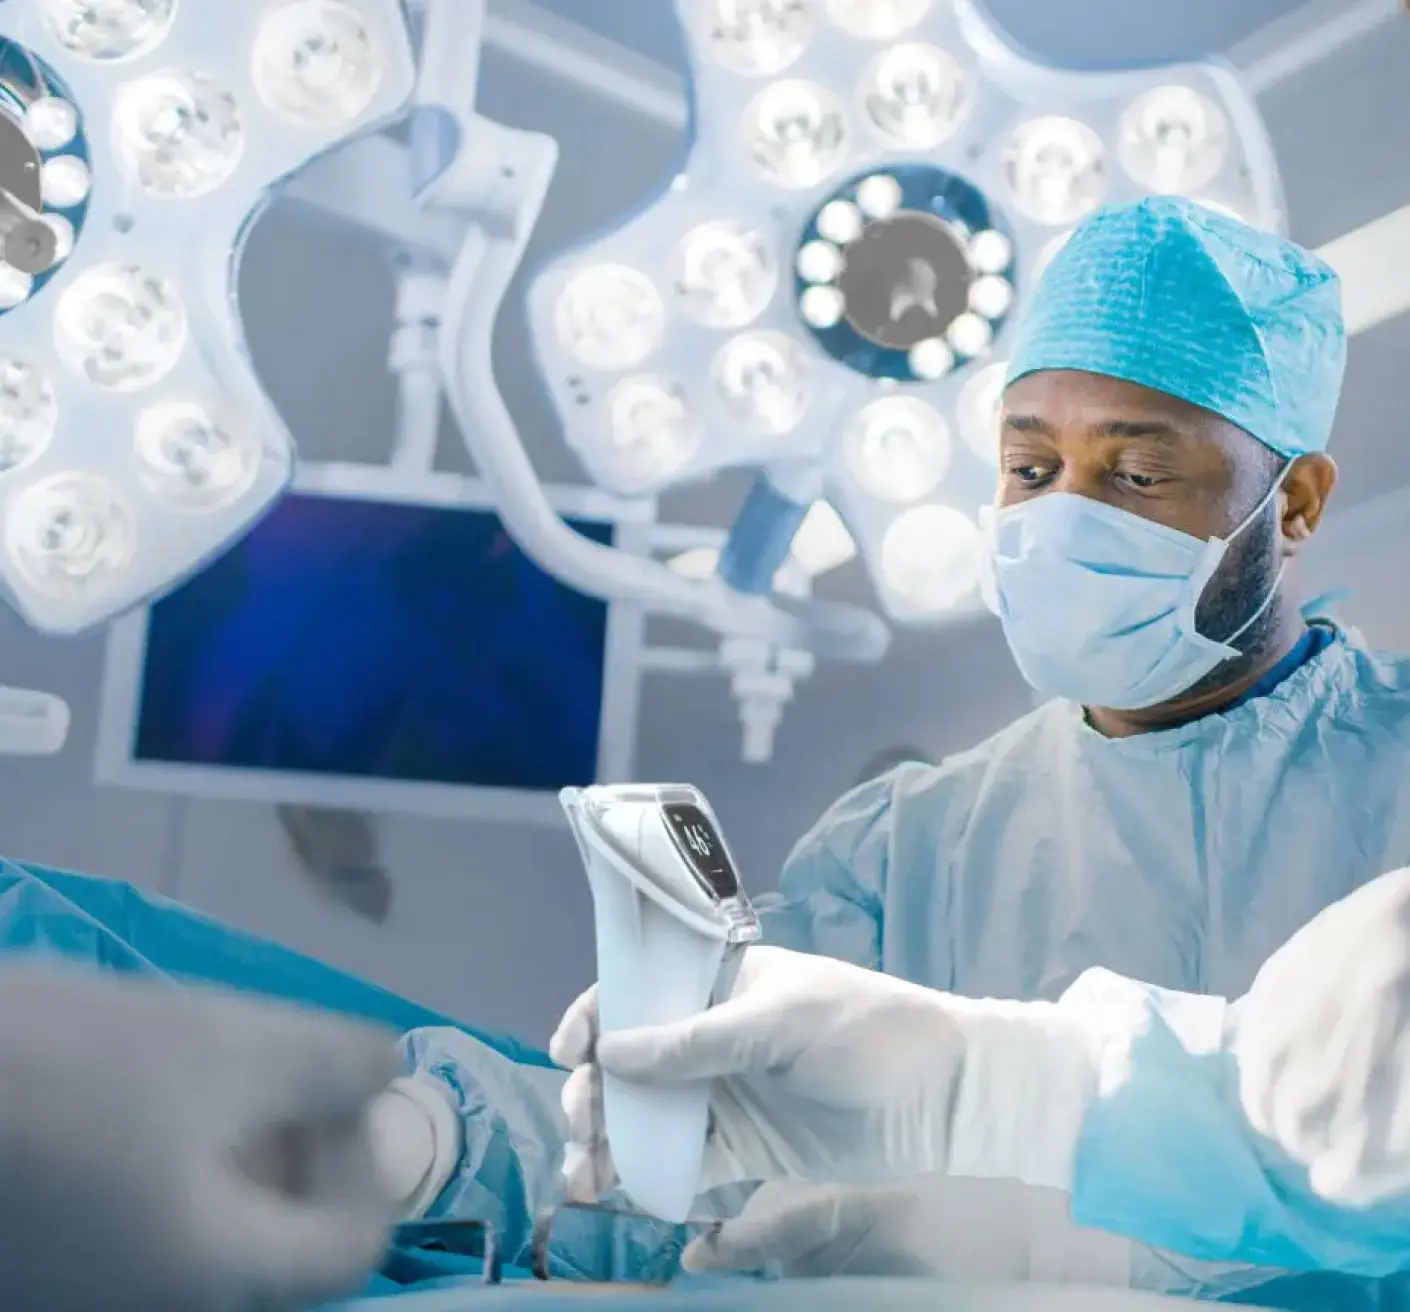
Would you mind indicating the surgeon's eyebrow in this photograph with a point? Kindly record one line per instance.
(1149, 430)
(1028, 424)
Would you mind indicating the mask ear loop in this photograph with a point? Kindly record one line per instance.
(1223, 545)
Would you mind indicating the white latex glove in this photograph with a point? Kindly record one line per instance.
(1323, 1045)
(825, 1071)
(163, 1150)
(417, 1139)
(937, 1227)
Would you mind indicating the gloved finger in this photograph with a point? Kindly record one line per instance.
(732, 1039)
(582, 1106)
(1337, 1177)
(572, 1042)
(403, 1145)
(1261, 1078)
(779, 1225)
(295, 1066)
(588, 1173)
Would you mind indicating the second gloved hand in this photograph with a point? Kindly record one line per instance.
(824, 1071)
(417, 1138)
(163, 1150)
(937, 1227)
(1323, 1046)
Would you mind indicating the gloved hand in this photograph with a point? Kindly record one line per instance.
(825, 1071)
(1323, 1046)
(164, 1150)
(936, 1227)
(417, 1139)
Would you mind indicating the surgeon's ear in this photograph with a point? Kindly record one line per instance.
(1306, 487)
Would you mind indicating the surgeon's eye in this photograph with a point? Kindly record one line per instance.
(1030, 475)
(1141, 482)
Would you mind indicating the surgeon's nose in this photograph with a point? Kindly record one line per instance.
(1084, 479)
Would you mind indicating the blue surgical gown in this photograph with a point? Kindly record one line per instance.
(1182, 859)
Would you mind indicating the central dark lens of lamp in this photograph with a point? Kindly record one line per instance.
(906, 280)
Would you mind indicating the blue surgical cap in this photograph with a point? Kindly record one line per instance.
(1174, 297)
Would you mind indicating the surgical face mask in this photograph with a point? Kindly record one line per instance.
(1098, 605)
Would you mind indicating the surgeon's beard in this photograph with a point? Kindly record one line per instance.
(1246, 579)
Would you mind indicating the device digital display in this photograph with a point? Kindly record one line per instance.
(697, 841)
(378, 640)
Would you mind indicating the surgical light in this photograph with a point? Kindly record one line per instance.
(991, 253)
(121, 327)
(1057, 170)
(15, 286)
(990, 297)
(969, 334)
(879, 196)
(611, 317)
(822, 542)
(29, 414)
(109, 30)
(50, 123)
(819, 262)
(842, 222)
(318, 63)
(878, 20)
(822, 307)
(652, 432)
(65, 182)
(797, 133)
(725, 275)
(140, 139)
(899, 449)
(827, 294)
(759, 38)
(189, 460)
(70, 532)
(178, 134)
(931, 556)
(762, 378)
(916, 96)
(63, 236)
(931, 359)
(1174, 140)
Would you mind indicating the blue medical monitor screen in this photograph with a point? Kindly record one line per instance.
(383, 641)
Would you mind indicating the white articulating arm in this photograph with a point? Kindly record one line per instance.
(500, 181)
(579, 57)
(1374, 265)
(1314, 33)
(369, 184)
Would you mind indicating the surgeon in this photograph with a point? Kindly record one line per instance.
(1212, 769)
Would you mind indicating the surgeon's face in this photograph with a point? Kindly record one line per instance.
(1130, 447)
(1166, 460)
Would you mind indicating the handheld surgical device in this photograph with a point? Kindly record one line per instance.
(672, 922)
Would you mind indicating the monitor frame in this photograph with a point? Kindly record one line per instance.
(116, 764)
